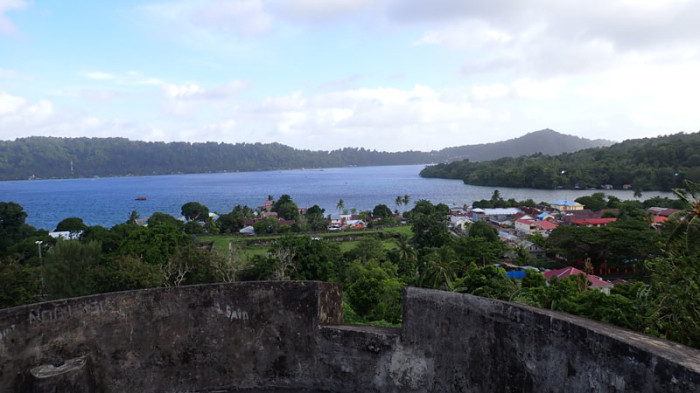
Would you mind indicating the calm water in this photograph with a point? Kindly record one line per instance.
(109, 201)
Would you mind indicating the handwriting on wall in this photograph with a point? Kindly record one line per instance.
(231, 313)
(93, 307)
(5, 331)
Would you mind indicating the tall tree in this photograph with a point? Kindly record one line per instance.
(195, 211)
(340, 206)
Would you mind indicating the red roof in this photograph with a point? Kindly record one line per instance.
(596, 282)
(546, 225)
(594, 221)
(660, 219)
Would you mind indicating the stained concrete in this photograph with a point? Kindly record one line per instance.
(288, 337)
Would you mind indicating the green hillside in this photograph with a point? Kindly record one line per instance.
(50, 157)
(659, 163)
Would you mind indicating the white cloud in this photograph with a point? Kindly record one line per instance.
(202, 19)
(98, 75)
(466, 34)
(319, 10)
(7, 74)
(243, 16)
(488, 92)
(383, 118)
(9, 103)
(6, 26)
(182, 91)
(539, 90)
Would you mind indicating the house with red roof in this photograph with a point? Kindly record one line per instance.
(661, 211)
(595, 281)
(593, 222)
(529, 226)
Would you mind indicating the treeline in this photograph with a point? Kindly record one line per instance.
(661, 163)
(49, 157)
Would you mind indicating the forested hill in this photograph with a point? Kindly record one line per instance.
(544, 141)
(49, 157)
(659, 163)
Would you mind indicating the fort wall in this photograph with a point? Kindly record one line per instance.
(288, 336)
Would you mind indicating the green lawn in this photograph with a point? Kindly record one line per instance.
(221, 241)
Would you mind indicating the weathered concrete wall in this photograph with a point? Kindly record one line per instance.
(284, 336)
(485, 345)
(175, 339)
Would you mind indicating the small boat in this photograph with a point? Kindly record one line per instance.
(141, 198)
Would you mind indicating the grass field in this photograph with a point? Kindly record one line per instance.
(221, 241)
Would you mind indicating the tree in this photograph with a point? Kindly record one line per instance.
(235, 220)
(488, 281)
(406, 198)
(195, 211)
(407, 258)
(483, 229)
(595, 201)
(268, 224)
(315, 219)
(429, 225)
(438, 269)
(368, 247)
(19, 284)
(127, 272)
(398, 202)
(373, 292)
(382, 211)
(228, 264)
(156, 244)
(12, 218)
(674, 297)
(72, 225)
(193, 228)
(159, 218)
(340, 206)
(70, 267)
(687, 222)
(286, 208)
(133, 217)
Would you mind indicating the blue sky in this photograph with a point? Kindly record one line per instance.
(325, 74)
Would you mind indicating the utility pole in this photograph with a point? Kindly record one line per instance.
(41, 268)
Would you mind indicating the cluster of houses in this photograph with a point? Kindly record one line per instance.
(515, 225)
(336, 222)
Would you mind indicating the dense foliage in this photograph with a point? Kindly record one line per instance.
(662, 300)
(659, 163)
(49, 157)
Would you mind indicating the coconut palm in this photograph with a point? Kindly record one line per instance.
(340, 206)
(688, 223)
(398, 202)
(406, 198)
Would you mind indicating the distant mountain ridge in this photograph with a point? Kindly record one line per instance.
(660, 163)
(52, 157)
(545, 141)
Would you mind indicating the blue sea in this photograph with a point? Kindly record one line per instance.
(109, 201)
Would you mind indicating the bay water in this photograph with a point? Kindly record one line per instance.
(109, 201)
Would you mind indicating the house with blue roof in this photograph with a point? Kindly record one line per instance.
(566, 206)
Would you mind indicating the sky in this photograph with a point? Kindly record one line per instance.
(389, 75)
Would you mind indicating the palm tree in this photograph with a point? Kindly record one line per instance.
(398, 202)
(406, 251)
(406, 199)
(687, 219)
(340, 206)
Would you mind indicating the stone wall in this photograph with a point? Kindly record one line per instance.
(485, 345)
(286, 336)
